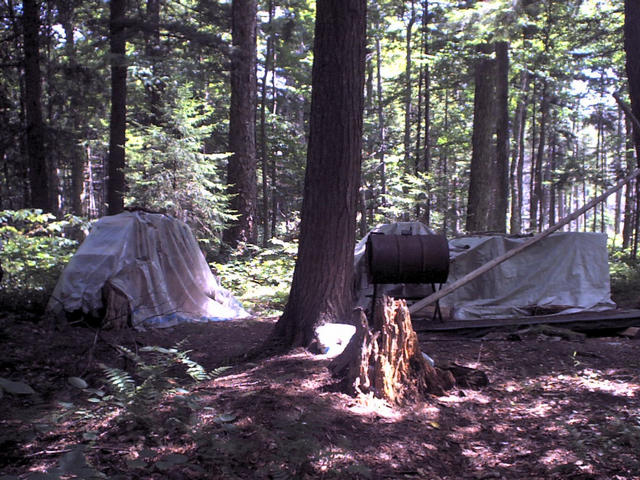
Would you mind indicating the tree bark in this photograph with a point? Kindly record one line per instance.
(550, 180)
(537, 193)
(275, 201)
(77, 153)
(632, 49)
(38, 169)
(386, 360)
(382, 147)
(118, 121)
(629, 211)
(241, 169)
(481, 177)
(153, 53)
(533, 206)
(517, 158)
(501, 173)
(321, 290)
(264, 153)
(408, 90)
(426, 168)
(617, 167)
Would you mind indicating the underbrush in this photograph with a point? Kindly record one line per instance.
(35, 249)
(625, 279)
(260, 277)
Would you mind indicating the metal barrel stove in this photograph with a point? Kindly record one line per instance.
(408, 259)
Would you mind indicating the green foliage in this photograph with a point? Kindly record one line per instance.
(260, 278)
(625, 278)
(35, 248)
(168, 170)
(157, 372)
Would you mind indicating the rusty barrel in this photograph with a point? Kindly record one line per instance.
(408, 258)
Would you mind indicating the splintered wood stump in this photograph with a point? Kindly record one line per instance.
(387, 360)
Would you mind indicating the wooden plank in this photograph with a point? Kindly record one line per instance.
(609, 319)
(507, 255)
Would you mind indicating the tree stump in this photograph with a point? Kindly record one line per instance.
(117, 308)
(386, 360)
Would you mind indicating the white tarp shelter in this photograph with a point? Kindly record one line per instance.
(155, 262)
(566, 271)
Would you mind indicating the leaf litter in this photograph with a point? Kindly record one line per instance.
(552, 410)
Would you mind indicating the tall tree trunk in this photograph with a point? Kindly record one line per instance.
(381, 126)
(636, 220)
(52, 161)
(517, 159)
(38, 169)
(445, 173)
(632, 49)
(322, 281)
(241, 170)
(22, 165)
(538, 193)
(275, 201)
(598, 153)
(427, 110)
(118, 121)
(629, 203)
(617, 167)
(533, 206)
(264, 152)
(77, 153)
(603, 167)
(498, 215)
(553, 185)
(481, 181)
(153, 53)
(408, 89)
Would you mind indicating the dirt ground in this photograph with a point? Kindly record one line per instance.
(554, 409)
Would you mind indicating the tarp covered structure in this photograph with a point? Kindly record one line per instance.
(566, 272)
(151, 260)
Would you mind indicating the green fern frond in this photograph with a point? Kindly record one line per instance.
(129, 354)
(120, 381)
(194, 369)
(219, 371)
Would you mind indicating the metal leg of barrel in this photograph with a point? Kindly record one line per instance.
(437, 313)
(373, 302)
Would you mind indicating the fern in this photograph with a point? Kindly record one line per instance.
(120, 381)
(219, 371)
(151, 379)
(194, 369)
(129, 354)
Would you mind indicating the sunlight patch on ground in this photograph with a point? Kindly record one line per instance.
(593, 380)
(470, 396)
(540, 409)
(370, 405)
(332, 457)
(558, 456)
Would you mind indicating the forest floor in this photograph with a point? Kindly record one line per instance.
(553, 409)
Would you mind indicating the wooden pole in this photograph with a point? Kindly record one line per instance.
(507, 255)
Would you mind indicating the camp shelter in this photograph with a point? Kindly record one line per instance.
(147, 267)
(566, 272)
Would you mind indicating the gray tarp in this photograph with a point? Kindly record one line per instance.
(566, 271)
(152, 259)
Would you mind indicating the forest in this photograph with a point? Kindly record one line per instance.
(281, 132)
